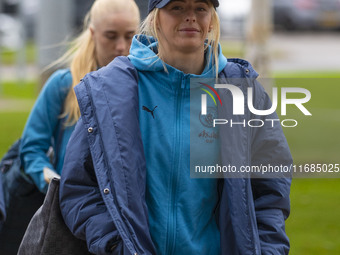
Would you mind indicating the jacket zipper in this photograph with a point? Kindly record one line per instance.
(171, 235)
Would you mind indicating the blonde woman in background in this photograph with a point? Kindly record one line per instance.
(108, 31)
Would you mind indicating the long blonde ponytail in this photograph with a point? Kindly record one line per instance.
(83, 61)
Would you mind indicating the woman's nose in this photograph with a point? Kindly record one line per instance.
(190, 16)
(121, 45)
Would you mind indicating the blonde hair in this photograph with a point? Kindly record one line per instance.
(82, 54)
(149, 27)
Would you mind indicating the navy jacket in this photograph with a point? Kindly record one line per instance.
(102, 193)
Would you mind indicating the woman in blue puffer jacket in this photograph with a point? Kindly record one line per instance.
(126, 185)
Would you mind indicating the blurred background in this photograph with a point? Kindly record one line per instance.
(291, 43)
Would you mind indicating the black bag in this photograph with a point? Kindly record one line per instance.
(21, 198)
(47, 233)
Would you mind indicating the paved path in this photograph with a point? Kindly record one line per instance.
(29, 72)
(16, 105)
(306, 51)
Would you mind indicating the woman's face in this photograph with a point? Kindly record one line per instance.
(112, 35)
(183, 26)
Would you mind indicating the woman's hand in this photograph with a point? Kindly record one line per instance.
(49, 174)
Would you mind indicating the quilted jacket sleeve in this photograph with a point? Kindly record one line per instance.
(271, 195)
(82, 206)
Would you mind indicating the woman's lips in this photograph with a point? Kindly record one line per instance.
(189, 30)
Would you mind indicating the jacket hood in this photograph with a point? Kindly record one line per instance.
(143, 55)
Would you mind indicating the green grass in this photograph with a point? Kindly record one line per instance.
(8, 56)
(12, 125)
(314, 224)
(16, 100)
(19, 89)
(315, 139)
(233, 49)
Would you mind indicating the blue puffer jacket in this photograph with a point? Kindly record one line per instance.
(102, 194)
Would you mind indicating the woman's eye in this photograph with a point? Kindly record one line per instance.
(111, 37)
(176, 8)
(202, 8)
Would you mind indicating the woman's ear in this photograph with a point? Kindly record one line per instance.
(210, 28)
(154, 20)
(91, 31)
